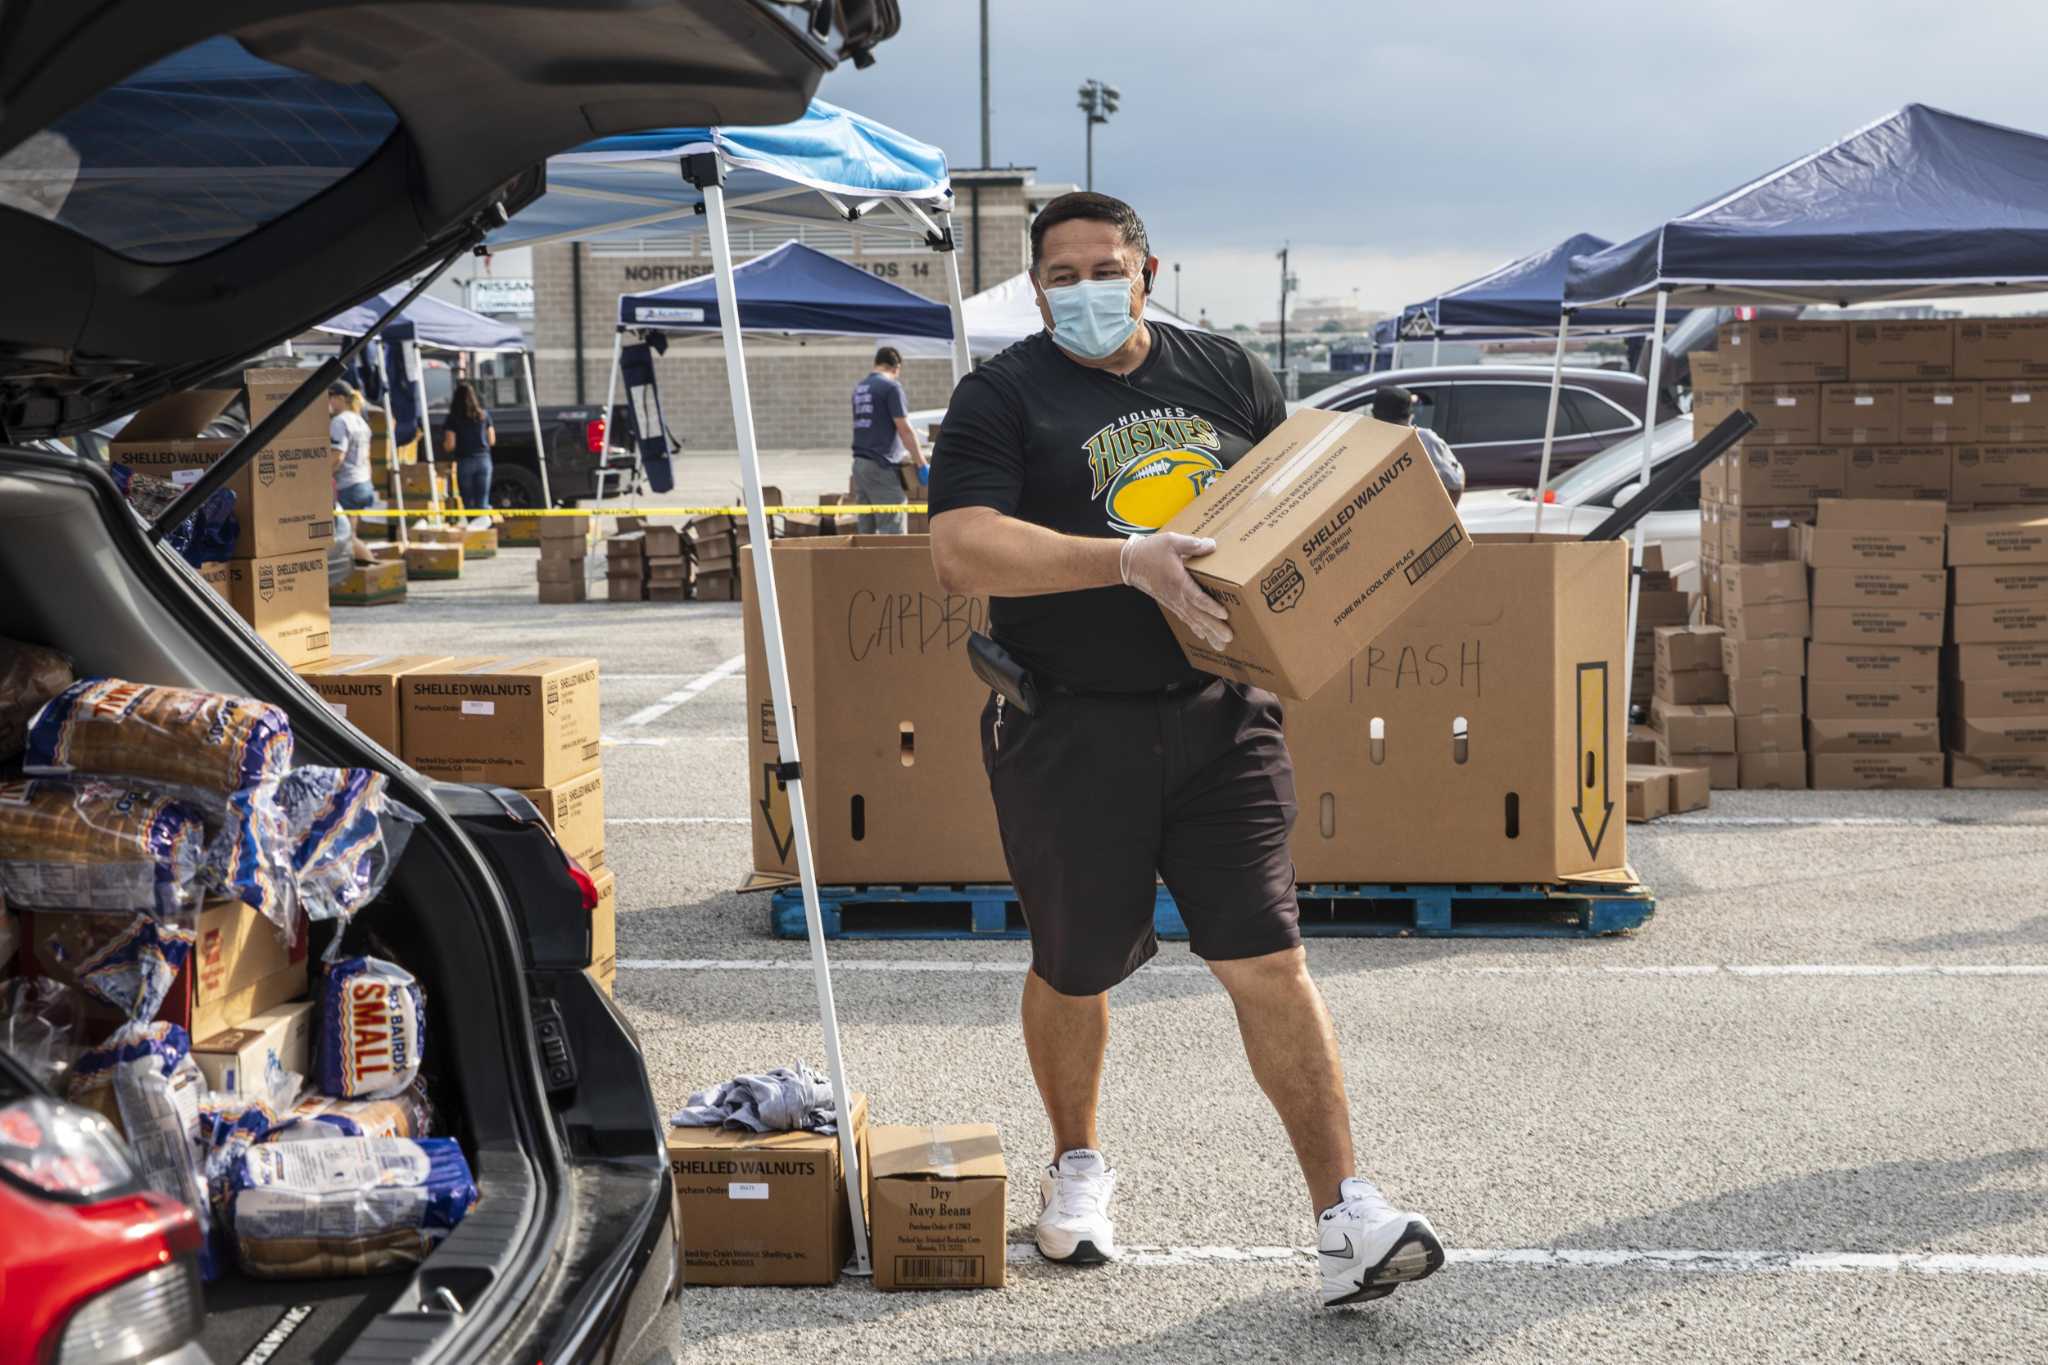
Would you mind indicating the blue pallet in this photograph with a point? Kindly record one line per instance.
(1353, 910)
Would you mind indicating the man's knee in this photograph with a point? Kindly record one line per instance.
(1268, 971)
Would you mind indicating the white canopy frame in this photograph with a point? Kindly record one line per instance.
(706, 171)
(417, 373)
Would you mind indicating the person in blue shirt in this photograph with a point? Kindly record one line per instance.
(882, 442)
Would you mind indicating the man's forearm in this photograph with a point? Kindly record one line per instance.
(980, 551)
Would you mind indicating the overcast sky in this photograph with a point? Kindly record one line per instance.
(1403, 149)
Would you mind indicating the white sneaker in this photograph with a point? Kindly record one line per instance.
(479, 523)
(1368, 1247)
(1073, 1217)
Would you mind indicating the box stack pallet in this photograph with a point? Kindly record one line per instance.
(1686, 672)
(1660, 603)
(562, 573)
(625, 566)
(714, 545)
(666, 567)
(525, 722)
(1995, 672)
(276, 576)
(1752, 497)
(377, 584)
(1874, 575)
(1764, 619)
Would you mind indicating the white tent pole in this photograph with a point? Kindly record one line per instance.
(540, 440)
(1436, 347)
(611, 391)
(1635, 578)
(765, 605)
(416, 363)
(1397, 353)
(397, 471)
(963, 360)
(1564, 326)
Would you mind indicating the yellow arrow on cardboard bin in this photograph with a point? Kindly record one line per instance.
(1590, 758)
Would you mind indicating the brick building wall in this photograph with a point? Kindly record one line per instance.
(801, 390)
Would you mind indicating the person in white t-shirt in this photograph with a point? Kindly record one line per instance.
(348, 435)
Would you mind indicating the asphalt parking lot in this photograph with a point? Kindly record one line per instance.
(1800, 1116)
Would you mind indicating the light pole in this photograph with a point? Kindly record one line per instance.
(1098, 102)
(1287, 284)
(1176, 288)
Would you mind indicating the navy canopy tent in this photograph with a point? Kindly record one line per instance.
(797, 290)
(1920, 204)
(1525, 297)
(434, 324)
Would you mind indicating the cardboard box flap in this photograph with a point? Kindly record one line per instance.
(1880, 514)
(949, 1151)
(178, 416)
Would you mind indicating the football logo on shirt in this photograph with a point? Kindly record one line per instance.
(1148, 465)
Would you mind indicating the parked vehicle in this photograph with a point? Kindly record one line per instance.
(1493, 415)
(96, 1266)
(579, 467)
(1582, 499)
(149, 280)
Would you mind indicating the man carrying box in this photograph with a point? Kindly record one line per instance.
(1056, 462)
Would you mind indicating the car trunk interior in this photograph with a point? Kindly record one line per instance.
(79, 580)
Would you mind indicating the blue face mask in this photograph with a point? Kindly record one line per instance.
(1092, 317)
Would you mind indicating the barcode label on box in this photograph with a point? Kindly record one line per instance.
(938, 1269)
(1432, 556)
(741, 1189)
(2023, 398)
(479, 708)
(1787, 401)
(1864, 400)
(1944, 400)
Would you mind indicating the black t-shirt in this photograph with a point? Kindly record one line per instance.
(1037, 436)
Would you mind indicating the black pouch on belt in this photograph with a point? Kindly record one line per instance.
(1010, 680)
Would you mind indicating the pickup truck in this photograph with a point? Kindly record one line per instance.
(575, 439)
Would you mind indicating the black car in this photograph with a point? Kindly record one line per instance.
(173, 237)
(1493, 415)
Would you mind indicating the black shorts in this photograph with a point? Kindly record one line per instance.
(1098, 797)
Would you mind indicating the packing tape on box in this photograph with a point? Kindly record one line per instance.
(835, 509)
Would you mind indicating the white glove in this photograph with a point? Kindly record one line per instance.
(1156, 565)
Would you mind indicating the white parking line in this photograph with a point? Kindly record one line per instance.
(675, 820)
(1005, 966)
(648, 714)
(663, 741)
(1683, 1262)
(1843, 822)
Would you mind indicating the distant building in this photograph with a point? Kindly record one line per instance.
(1314, 315)
(800, 388)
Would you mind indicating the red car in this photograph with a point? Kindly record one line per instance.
(93, 1267)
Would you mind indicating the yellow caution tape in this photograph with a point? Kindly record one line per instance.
(837, 509)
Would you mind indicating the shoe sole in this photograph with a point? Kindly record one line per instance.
(1416, 1256)
(1084, 1253)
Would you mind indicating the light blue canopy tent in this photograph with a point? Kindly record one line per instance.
(830, 167)
(436, 324)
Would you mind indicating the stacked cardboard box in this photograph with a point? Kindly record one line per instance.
(1686, 672)
(363, 690)
(276, 578)
(1660, 603)
(1764, 619)
(1655, 791)
(1701, 735)
(372, 585)
(1877, 607)
(714, 544)
(563, 571)
(666, 567)
(1996, 663)
(434, 552)
(625, 566)
(527, 722)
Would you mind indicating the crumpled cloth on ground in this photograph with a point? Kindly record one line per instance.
(785, 1100)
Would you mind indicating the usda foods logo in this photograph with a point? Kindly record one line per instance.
(1283, 586)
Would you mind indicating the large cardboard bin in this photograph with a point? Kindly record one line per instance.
(1482, 738)
(887, 712)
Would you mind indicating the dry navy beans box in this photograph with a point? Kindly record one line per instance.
(1326, 532)
(936, 1195)
(763, 1208)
